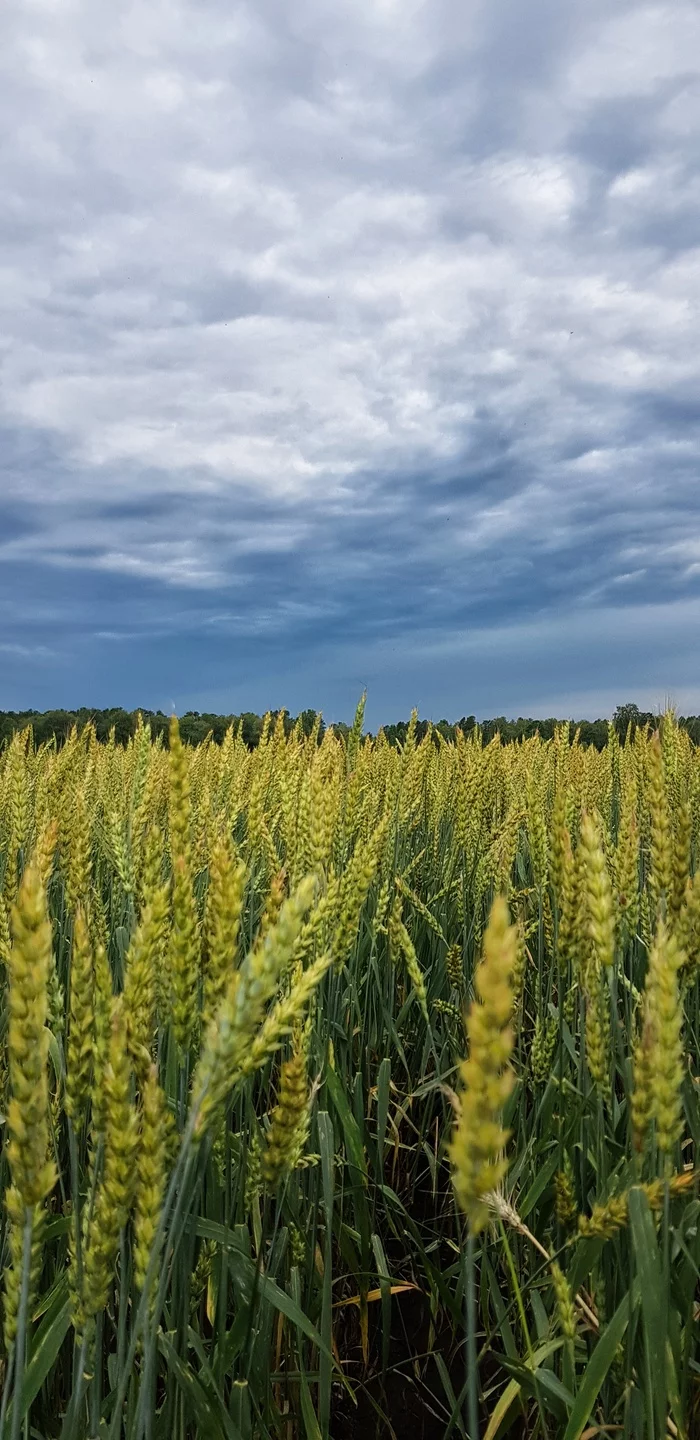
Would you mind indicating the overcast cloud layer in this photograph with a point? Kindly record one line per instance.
(349, 344)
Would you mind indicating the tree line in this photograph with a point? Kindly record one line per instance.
(195, 726)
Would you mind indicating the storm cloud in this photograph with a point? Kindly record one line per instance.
(348, 345)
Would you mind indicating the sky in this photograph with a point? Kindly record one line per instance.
(350, 344)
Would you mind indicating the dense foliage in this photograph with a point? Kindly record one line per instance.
(348, 1087)
(195, 726)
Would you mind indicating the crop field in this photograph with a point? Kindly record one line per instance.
(350, 1089)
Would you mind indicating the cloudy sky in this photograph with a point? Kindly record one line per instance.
(350, 343)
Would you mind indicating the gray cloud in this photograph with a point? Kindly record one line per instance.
(345, 323)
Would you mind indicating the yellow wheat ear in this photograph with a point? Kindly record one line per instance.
(658, 1063)
(152, 1173)
(225, 896)
(184, 952)
(81, 1026)
(115, 1192)
(600, 956)
(141, 976)
(29, 961)
(476, 1151)
(289, 1124)
(230, 1037)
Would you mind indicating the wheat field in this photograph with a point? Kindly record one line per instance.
(349, 1089)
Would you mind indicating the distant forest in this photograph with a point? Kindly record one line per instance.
(194, 726)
